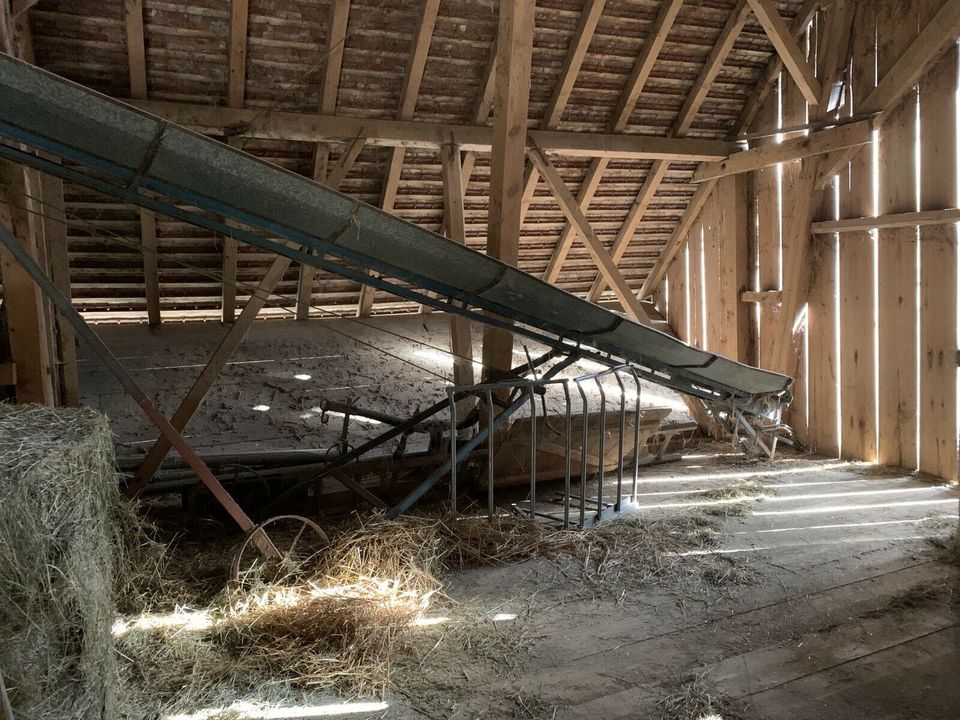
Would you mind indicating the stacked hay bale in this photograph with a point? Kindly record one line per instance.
(58, 499)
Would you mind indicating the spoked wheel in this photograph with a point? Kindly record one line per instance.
(296, 539)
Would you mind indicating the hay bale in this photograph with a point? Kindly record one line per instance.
(58, 501)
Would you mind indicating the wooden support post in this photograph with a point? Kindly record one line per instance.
(236, 87)
(28, 322)
(321, 157)
(461, 340)
(515, 51)
(55, 231)
(137, 68)
(938, 273)
(208, 376)
(339, 172)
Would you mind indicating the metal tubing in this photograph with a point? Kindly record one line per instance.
(533, 451)
(583, 454)
(117, 369)
(567, 450)
(623, 411)
(490, 506)
(636, 439)
(602, 449)
(451, 397)
(474, 442)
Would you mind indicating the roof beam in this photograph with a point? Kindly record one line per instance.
(818, 143)
(306, 127)
(924, 50)
(339, 171)
(788, 49)
(773, 69)
(698, 93)
(577, 51)
(336, 40)
(419, 50)
(601, 257)
(642, 67)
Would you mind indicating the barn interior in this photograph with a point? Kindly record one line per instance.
(423, 359)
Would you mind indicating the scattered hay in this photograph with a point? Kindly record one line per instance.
(948, 547)
(741, 490)
(59, 525)
(349, 618)
(695, 700)
(921, 595)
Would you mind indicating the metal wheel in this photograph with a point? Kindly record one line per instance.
(295, 537)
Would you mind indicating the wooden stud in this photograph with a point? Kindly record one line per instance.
(515, 52)
(787, 48)
(151, 265)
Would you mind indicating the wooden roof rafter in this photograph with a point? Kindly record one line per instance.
(333, 69)
(419, 50)
(691, 106)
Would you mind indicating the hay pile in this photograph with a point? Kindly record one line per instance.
(354, 613)
(58, 498)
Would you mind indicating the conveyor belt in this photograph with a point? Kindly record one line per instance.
(108, 146)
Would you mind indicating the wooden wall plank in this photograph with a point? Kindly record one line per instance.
(897, 254)
(938, 272)
(734, 269)
(695, 280)
(794, 206)
(822, 400)
(768, 236)
(857, 350)
(711, 277)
